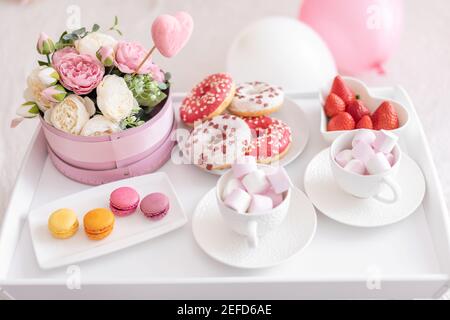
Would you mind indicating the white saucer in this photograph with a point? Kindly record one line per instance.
(345, 208)
(292, 114)
(228, 247)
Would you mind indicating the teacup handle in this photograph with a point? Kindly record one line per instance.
(396, 191)
(252, 237)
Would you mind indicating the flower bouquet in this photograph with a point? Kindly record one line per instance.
(91, 89)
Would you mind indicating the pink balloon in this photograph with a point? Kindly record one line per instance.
(361, 34)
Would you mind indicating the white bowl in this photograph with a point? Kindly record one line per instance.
(371, 102)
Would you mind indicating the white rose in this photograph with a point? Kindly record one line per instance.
(93, 41)
(99, 126)
(70, 115)
(114, 99)
(34, 90)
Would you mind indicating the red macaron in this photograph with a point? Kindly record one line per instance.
(124, 201)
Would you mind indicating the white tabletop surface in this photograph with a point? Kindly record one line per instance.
(421, 64)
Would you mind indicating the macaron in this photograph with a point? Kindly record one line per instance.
(63, 223)
(155, 205)
(124, 201)
(98, 223)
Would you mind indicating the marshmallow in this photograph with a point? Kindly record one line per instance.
(277, 198)
(279, 180)
(260, 204)
(378, 164)
(356, 166)
(390, 157)
(363, 151)
(385, 141)
(365, 136)
(244, 166)
(231, 185)
(238, 200)
(344, 157)
(256, 182)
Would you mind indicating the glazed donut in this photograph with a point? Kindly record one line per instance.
(254, 99)
(208, 99)
(271, 139)
(217, 143)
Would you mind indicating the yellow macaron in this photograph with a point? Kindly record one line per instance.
(63, 223)
(98, 223)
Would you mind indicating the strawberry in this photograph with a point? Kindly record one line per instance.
(341, 89)
(385, 117)
(341, 121)
(357, 110)
(334, 105)
(365, 123)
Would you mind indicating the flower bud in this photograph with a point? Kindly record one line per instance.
(48, 76)
(106, 56)
(54, 93)
(45, 45)
(28, 110)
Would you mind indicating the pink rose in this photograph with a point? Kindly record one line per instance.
(157, 73)
(56, 58)
(129, 56)
(80, 73)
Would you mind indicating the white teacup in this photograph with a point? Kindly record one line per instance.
(364, 186)
(252, 225)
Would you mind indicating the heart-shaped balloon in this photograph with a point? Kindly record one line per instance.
(171, 33)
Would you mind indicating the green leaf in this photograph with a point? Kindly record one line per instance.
(95, 27)
(62, 35)
(70, 37)
(162, 85)
(79, 31)
(43, 63)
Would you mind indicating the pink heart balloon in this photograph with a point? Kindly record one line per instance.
(171, 33)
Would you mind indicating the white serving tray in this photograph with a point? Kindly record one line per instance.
(410, 259)
(128, 231)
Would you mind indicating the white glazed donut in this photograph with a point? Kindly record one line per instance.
(254, 99)
(217, 143)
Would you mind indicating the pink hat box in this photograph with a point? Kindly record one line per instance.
(149, 164)
(114, 151)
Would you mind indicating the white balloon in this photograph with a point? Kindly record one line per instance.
(281, 51)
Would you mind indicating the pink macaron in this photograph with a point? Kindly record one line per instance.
(124, 201)
(155, 205)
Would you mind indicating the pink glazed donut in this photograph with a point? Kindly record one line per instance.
(207, 99)
(271, 139)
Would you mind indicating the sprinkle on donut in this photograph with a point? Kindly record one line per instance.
(217, 143)
(256, 98)
(207, 99)
(271, 138)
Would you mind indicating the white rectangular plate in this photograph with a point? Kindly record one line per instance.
(128, 231)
